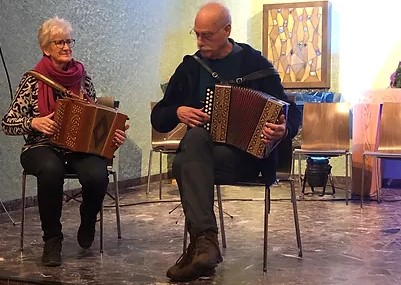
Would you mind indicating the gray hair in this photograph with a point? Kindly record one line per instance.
(51, 27)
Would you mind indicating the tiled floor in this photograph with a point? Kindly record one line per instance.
(342, 244)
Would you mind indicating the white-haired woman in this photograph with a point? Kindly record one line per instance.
(31, 114)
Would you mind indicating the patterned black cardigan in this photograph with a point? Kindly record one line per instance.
(18, 119)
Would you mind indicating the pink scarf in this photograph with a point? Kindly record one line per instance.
(70, 79)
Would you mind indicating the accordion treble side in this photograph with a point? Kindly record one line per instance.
(86, 127)
(238, 116)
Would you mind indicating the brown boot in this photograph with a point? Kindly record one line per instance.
(207, 253)
(196, 263)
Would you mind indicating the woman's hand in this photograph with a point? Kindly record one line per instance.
(120, 136)
(273, 132)
(192, 117)
(45, 124)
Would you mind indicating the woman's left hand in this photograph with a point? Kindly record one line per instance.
(120, 136)
(273, 132)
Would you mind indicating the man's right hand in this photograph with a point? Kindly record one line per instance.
(192, 117)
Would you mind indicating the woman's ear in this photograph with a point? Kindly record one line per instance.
(45, 51)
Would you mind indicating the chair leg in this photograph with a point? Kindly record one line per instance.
(160, 176)
(8, 214)
(221, 217)
(296, 219)
(363, 179)
(266, 226)
(149, 171)
(117, 204)
(346, 177)
(378, 184)
(299, 176)
(21, 248)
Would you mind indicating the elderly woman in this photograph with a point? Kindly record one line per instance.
(31, 114)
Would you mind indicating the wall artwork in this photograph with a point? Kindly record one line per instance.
(296, 39)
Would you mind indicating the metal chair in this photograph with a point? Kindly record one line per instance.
(389, 142)
(8, 214)
(115, 197)
(110, 102)
(164, 143)
(283, 175)
(325, 133)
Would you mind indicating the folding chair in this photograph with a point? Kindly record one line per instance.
(164, 143)
(325, 133)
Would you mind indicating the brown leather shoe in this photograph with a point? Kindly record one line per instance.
(197, 262)
(207, 254)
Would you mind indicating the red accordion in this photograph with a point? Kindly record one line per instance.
(238, 115)
(86, 127)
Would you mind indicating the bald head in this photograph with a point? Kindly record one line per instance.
(213, 13)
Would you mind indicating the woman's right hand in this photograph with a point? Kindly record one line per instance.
(45, 124)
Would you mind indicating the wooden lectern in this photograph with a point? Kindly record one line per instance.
(365, 132)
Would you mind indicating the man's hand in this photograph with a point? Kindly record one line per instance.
(45, 124)
(120, 136)
(192, 117)
(274, 132)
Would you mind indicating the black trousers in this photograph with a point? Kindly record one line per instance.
(50, 166)
(198, 166)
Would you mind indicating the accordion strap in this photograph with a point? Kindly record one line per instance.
(52, 83)
(214, 74)
(240, 80)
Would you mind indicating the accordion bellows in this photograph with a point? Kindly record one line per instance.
(86, 127)
(238, 115)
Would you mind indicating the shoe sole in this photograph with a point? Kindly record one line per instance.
(52, 263)
(203, 273)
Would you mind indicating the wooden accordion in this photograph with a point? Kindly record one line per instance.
(238, 115)
(86, 127)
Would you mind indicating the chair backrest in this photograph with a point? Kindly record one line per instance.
(107, 101)
(390, 128)
(326, 126)
(167, 141)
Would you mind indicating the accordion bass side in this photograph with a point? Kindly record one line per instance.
(86, 127)
(238, 116)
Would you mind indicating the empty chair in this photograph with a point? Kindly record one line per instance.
(325, 133)
(164, 143)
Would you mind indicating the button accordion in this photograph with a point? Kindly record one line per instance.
(86, 127)
(238, 114)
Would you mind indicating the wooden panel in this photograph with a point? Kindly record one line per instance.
(390, 130)
(364, 138)
(365, 129)
(325, 126)
(168, 141)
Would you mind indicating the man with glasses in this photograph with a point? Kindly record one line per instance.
(200, 162)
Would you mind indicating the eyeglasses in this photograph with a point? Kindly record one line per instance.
(60, 43)
(205, 35)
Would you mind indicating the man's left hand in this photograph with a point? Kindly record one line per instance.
(273, 132)
(120, 136)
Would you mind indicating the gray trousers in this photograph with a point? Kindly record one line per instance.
(198, 166)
